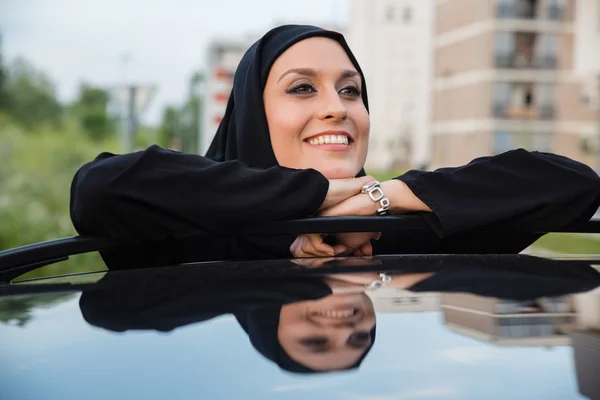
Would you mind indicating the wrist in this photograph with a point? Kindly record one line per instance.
(402, 199)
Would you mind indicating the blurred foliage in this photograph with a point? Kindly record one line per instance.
(383, 176)
(180, 126)
(17, 310)
(29, 96)
(36, 174)
(570, 243)
(91, 111)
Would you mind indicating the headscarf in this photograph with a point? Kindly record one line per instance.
(244, 133)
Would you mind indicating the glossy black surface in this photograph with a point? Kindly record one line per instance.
(453, 327)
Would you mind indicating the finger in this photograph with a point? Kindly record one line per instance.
(315, 247)
(319, 245)
(341, 250)
(366, 249)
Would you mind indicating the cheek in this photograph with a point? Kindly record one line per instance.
(286, 123)
(361, 119)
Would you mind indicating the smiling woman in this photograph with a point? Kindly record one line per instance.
(292, 144)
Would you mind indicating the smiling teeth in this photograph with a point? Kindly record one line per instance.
(336, 314)
(330, 139)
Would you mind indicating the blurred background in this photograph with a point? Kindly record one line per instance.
(448, 80)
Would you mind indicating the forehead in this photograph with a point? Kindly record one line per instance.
(314, 52)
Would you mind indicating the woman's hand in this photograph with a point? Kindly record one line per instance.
(402, 199)
(312, 245)
(343, 189)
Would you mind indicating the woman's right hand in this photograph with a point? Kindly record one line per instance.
(343, 189)
(312, 245)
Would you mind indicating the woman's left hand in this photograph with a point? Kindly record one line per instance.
(402, 199)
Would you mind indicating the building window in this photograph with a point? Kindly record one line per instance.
(528, 50)
(523, 101)
(504, 48)
(407, 14)
(504, 141)
(555, 10)
(390, 13)
(520, 9)
(501, 142)
(547, 51)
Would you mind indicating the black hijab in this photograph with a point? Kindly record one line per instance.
(243, 133)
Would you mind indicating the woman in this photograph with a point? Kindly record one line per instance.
(292, 144)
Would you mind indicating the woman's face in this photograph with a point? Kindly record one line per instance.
(327, 334)
(314, 109)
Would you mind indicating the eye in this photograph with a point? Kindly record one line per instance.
(359, 340)
(352, 91)
(315, 344)
(303, 88)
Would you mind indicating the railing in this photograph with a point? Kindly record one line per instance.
(514, 61)
(17, 261)
(545, 112)
(514, 10)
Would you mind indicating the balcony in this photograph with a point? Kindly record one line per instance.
(517, 9)
(544, 112)
(517, 61)
(551, 10)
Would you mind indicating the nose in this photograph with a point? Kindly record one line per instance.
(341, 333)
(333, 108)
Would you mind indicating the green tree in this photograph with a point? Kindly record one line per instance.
(180, 127)
(32, 95)
(169, 133)
(4, 99)
(91, 110)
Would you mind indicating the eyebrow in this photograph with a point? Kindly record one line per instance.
(347, 73)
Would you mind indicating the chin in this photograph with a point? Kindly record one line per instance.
(339, 171)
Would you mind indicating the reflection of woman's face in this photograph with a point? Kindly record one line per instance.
(327, 334)
(314, 109)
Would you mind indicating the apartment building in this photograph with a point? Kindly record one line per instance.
(504, 78)
(223, 57)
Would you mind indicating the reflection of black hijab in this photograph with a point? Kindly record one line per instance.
(165, 299)
(243, 133)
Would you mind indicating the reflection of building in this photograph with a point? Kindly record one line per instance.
(392, 41)
(510, 323)
(586, 351)
(398, 300)
(504, 79)
(223, 58)
(586, 343)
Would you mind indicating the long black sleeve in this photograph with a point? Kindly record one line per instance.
(157, 193)
(516, 190)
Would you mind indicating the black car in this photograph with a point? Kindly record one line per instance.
(447, 326)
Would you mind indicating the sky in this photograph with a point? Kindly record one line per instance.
(75, 41)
